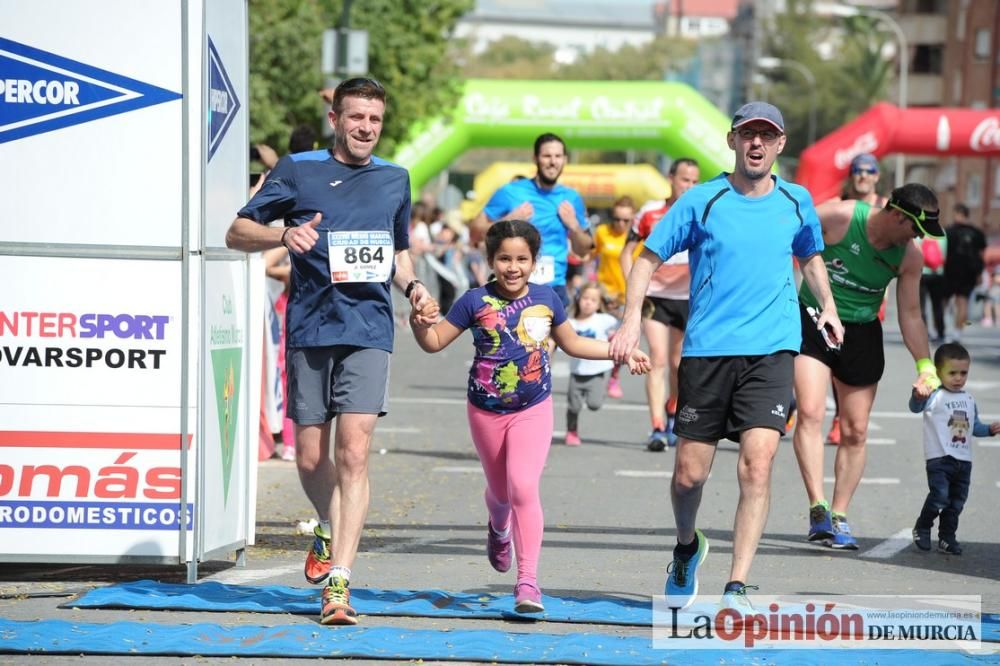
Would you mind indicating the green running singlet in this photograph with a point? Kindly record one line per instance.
(858, 272)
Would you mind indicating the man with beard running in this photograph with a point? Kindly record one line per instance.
(555, 210)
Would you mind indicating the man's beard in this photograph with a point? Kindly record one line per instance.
(544, 181)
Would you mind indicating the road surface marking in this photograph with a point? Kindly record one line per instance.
(894, 544)
(459, 470)
(644, 473)
(881, 441)
(872, 480)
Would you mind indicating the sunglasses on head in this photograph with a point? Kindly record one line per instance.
(862, 171)
(918, 216)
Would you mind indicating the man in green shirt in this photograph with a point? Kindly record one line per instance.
(866, 248)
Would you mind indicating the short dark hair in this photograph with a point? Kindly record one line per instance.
(548, 137)
(357, 87)
(962, 210)
(950, 351)
(500, 231)
(302, 139)
(681, 161)
(917, 195)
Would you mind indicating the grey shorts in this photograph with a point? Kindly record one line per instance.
(326, 381)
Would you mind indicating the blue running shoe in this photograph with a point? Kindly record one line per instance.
(735, 597)
(671, 437)
(658, 440)
(842, 537)
(682, 575)
(820, 522)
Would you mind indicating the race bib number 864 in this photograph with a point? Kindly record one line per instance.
(360, 256)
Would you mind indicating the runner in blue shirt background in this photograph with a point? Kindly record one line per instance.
(555, 210)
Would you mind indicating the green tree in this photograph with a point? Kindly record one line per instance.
(285, 39)
(511, 58)
(851, 74)
(647, 62)
(409, 52)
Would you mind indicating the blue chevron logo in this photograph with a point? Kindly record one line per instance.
(42, 92)
(222, 101)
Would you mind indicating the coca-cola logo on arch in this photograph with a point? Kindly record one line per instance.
(986, 136)
(866, 143)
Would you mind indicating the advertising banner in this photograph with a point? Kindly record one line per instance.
(90, 407)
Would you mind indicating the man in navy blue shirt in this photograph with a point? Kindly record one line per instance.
(555, 210)
(735, 377)
(346, 216)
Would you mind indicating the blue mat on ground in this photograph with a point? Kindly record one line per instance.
(215, 596)
(52, 637)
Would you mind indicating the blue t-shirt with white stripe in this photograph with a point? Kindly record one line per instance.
(743, 298)
(546, 217)
(372, 197)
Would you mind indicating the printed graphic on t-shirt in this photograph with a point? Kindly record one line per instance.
(511, 369)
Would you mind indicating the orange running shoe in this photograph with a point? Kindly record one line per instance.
(337, 603)
(318, 560)
(833, 437)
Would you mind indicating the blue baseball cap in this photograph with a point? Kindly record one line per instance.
(759, 111)
(864, 161)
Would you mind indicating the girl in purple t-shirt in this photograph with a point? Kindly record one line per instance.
(510, 392)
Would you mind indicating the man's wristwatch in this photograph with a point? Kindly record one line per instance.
(409, 287)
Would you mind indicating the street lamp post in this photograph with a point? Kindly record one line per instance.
(837, 9)
(768, 62)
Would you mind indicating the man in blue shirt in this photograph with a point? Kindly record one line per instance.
(346, 216)
(735, 378)
(556, 211)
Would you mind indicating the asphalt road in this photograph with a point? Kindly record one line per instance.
(609, 526)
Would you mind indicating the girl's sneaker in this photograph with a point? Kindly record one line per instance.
(288, 453)
(615, 388)
(528, 598)
(572, 439)
(498, 549)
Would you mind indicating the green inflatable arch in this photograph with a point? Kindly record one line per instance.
(612, 115)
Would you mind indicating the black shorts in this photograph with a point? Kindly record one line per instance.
(861, 359)
(667, 311)
(721, 396)
(962, 282)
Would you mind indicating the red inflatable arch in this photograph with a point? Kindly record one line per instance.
(885, 129)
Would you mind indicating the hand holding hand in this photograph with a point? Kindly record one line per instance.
(425, 315)
(302, 238)
(995, 428)
(921, 390)
(639, 363)
(624, 342)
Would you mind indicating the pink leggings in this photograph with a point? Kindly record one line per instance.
(512, 449)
